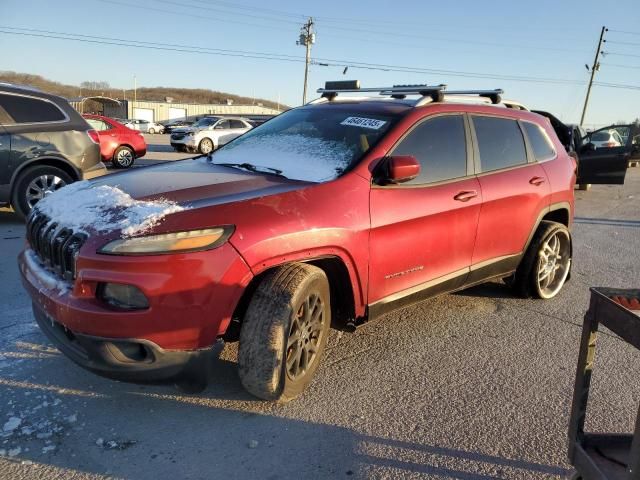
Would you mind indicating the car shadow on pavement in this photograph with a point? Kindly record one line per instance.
(70, 421)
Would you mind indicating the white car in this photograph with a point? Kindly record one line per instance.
(208, 133)
(144, 126)
(606, 138)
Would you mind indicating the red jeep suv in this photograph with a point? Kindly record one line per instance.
(329, 214)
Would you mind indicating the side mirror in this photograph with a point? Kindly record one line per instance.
(400, 169)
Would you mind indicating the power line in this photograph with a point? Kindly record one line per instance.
(277, 57)
(620, 66)
(621, 54)
(626, 32)
(334, 27)
(624, 43)
(152, 47)
(156, 44)
(186, 14)
(214, 9)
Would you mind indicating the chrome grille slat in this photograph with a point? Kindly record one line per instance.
(55, 245)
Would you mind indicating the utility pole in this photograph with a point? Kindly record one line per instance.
(135, 89)
(307, 38)
(594, 68)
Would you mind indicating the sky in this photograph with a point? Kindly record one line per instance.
(536, 51)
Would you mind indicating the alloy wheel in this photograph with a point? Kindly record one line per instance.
(42, 186)
(124, 158)
(554, 262)
(206, 146)
(305, 335)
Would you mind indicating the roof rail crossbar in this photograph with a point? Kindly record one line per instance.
(494, 95)
(331, 90)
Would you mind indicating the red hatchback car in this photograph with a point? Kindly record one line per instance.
(118, 144)
(330, 214)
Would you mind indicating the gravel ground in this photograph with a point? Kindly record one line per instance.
(473, 385)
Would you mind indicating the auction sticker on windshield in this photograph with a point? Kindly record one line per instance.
(371, 123)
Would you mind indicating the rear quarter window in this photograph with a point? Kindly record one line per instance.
(500, 143)
(21, 109)
(539, 141)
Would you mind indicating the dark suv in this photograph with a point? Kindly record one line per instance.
(44, 145)
(329, 214)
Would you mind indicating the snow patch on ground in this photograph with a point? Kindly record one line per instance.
(299, 157)
(86, 208)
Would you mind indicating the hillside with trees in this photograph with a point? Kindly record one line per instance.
(90, 88)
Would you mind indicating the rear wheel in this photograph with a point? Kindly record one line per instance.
(151, 131)
(546, 265)
(284, 332)
(34, 184)
(205, 146)
(123, 157)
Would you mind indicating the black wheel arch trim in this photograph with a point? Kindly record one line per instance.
(50, 161)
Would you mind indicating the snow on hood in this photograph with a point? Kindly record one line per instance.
(299, 157)
(85, 207)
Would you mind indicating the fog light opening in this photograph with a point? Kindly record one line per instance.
(122, 297)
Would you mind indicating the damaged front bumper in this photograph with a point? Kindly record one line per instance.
(129, 360)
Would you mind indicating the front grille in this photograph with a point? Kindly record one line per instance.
(57, 246)
(177, 136)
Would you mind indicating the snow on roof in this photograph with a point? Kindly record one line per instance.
(84, 207)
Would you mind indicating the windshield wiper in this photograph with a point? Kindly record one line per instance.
(253, 168)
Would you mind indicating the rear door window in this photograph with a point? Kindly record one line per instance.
(222, 125)
(22, 109)
(539, 141)
(237, 124)
(98, 125)
(500, 143)
(439, 144)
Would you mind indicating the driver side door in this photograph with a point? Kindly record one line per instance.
(608, 164)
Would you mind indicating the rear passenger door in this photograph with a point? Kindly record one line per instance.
(514, 192)
(423, 231)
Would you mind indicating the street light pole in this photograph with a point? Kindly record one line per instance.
(307, 38)
(595, 67)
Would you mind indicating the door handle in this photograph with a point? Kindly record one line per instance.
(466, 195)
(537, 181)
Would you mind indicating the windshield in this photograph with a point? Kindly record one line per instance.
(205, 122)
(309, 144)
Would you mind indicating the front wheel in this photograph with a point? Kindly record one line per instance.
(151, 131)
(205, 146)
(284, 332)
(546, 265)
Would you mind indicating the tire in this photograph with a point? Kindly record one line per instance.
(279, 324)
(206, 146)
(546, 265)
(151, 131)
(35, 183)
(123, 157)
(584, 186)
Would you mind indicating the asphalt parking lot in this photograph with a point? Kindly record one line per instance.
(473, 385)
(159, 150)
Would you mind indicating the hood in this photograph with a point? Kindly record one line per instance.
(185, 129)
(197, 183)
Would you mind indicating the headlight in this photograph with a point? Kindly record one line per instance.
(189, 241)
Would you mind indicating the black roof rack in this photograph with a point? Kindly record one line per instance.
(435, 92)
